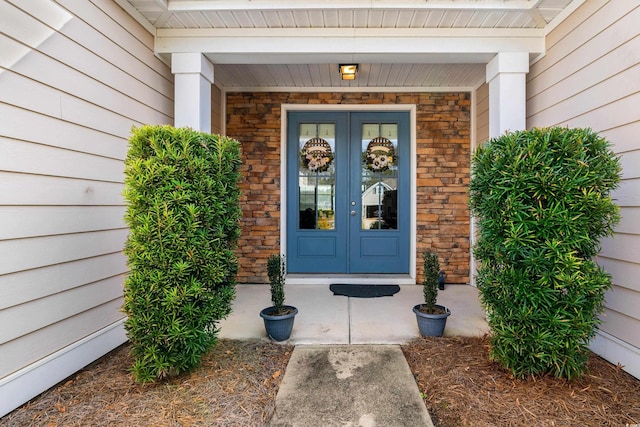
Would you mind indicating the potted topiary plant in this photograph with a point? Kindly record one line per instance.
(279, 318)
(431, 317)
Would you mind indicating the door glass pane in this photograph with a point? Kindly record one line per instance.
(379, 176)
(317, 178)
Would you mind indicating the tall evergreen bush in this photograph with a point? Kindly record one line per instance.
(183, 211)
(542, 201)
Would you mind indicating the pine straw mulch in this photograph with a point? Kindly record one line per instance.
(235, 385)
(461, 387)
(238, 380)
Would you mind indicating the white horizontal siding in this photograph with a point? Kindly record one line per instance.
(612, 348)
(626, 301)
(619, 136)
(578, 15)
(25, 254)
(628, 193)
(630, 161)
(45, 311)
(629, 221)
(33, 347)
(20, 124)
(26, 383)
(27, 189)
(132, 54)
(588, 69)
(606, 91)
(623, 247)
(71, 67)
(582, 41)
(217, 110)
(35, 221)
(626, 273)
(482, 114)
(75, 76)
(24, 286)
(621, 326)
(17, 156)
(590, 77)
(41, 97)
(608, 116)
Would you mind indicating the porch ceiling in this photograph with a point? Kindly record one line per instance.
(262, 44)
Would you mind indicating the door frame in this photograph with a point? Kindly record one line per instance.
(306, 279)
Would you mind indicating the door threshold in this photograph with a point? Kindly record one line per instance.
(351, 279)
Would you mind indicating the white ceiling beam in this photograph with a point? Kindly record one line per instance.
(218, 5)
(311, 45)
(341, 58)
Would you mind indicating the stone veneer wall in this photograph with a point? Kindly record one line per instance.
(443, 158)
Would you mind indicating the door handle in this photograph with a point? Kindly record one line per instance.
(353, 213)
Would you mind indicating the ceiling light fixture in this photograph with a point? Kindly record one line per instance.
(348, 71)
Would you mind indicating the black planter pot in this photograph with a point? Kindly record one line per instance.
(278, 327)
(431, 325)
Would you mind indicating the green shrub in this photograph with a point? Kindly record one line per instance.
(183, 211)
(542, 201)
(277, 271)
(430, 280)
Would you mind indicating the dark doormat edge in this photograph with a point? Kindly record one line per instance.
(364, 291)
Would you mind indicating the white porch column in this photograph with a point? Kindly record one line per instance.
(193, 78)
(506, 75)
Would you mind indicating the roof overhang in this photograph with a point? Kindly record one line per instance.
(279, 44)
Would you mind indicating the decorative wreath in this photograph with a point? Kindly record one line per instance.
(380, 154)
(316, 155)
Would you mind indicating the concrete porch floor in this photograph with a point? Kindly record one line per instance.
(324, 318)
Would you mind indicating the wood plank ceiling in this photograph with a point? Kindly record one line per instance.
(379, 72)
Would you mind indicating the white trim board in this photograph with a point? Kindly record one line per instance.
(25, 384)
(472, 222)
(411, 109)
(351, 89)
(617, 352)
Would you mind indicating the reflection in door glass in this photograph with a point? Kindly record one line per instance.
(379, 176)
(316, 178)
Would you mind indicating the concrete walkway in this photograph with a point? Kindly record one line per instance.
(349, 385)
(347, 368)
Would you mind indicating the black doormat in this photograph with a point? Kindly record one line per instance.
(364, 291)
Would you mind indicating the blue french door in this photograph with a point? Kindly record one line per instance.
(348, 181)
